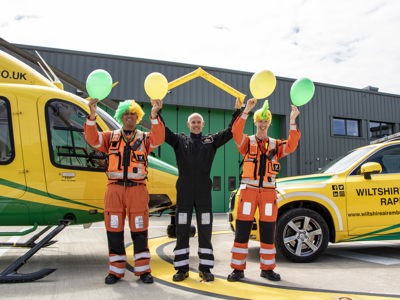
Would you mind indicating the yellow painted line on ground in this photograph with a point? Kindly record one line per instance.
(163, 271)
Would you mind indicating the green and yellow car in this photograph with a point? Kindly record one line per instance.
(354, 198)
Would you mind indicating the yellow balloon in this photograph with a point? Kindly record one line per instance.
(156, 85)
(262, 84)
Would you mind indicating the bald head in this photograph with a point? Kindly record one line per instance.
(195, 123)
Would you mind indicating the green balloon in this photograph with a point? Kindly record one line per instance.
(99, 84)
(302, 91)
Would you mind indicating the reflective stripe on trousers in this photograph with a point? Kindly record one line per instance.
(239, 254)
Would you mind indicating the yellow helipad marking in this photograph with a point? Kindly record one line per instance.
(164, 271)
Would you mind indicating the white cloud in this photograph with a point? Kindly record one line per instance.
(343, 42)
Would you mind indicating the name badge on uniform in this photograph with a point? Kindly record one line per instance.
(208, 140)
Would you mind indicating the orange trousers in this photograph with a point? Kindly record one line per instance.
(252, 199)
(122, 202)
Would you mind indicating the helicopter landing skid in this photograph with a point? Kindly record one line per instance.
(31, 242)
(11, 275)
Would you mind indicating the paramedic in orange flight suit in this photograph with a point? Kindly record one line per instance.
(257, 187)
(126, 191)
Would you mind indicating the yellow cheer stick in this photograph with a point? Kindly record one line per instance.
(199, 72)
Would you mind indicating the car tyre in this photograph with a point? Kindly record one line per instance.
(302, 235)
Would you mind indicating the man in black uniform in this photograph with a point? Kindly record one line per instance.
(194, 157)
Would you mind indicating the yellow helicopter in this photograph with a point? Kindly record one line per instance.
(49, 175)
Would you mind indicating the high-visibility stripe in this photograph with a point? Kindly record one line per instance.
(267, 261)
(117, 270)
(100, 141)
(238, 262)
(240, 250)
(153, 146)
(241, 142)
(267, 251)
(120, 175)
(115, 258)
(142, 268)
(205, 251)
(142, 255)
(206, 262)
(254, 183)
(181, 263)
(181, 251)
(154, 121)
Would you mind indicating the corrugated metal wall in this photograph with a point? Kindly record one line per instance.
(317, 146)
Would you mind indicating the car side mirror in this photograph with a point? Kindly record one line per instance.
(370, 168)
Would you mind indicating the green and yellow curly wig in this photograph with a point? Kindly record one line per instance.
(131, 106)
(263, 113)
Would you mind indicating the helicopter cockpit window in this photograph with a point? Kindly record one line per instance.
(67, 144)
(6, 144)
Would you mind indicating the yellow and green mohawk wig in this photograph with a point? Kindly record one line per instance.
(131, 106)
(263, 113)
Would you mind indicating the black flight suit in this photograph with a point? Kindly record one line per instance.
(194, 157)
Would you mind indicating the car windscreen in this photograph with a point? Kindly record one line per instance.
(346, 161)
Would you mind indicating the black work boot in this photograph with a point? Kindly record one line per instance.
(236, 275)
(206, 275)
(146, 278)
(180, 275)
(111, 279)
(270, 275)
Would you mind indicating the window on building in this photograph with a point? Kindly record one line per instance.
(345, 127)
(216, 183)
(6, 142)
(379, 129)
(231, 183)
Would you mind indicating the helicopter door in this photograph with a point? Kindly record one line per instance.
(74, 172)
(12, 169)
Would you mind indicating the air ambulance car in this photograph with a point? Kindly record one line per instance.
(47, 170)
(354, 198)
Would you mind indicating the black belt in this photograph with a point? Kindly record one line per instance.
(128, 183)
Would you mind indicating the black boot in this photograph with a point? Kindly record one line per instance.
(180, 275)
(111, 279)
(146, 278)
(270, 275)
(206, 275)
(236, 275)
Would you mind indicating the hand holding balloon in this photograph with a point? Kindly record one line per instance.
(250, 105)
(262, 84)
(99, 84)
(93, 107)
(156, 85)
(156, 107)
(294, 114)
(302, 91)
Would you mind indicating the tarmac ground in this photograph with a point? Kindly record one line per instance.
(358, 270)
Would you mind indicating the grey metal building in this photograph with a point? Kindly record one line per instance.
(336, 120)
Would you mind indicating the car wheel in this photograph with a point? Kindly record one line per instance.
(302, 235)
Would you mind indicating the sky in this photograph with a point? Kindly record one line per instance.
(351, 43)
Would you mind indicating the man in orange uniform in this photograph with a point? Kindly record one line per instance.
(257, 187)
(126, 193)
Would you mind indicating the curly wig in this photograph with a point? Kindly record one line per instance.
(131, 106)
